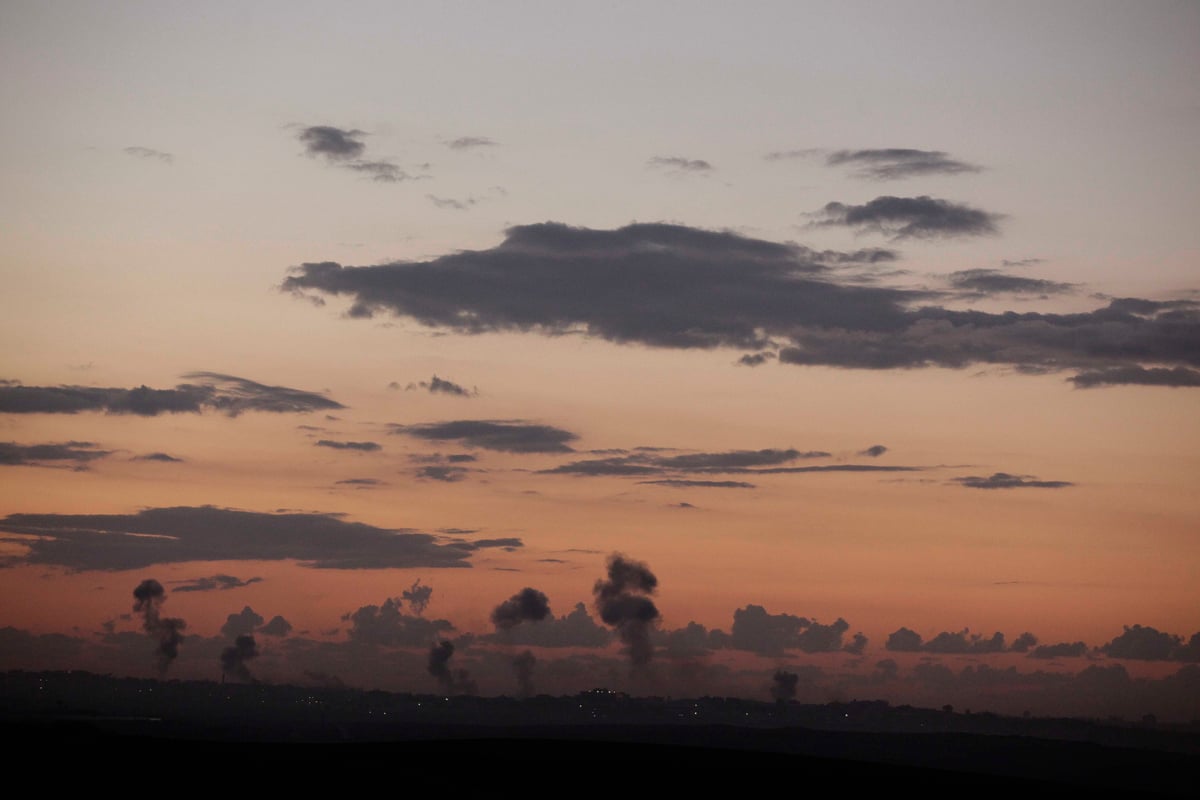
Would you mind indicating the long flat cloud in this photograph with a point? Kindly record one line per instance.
(896, 162)
(921, 217)
(512, 436)
(674, 286)
(227, 394)
(80, 453)
(207, 533)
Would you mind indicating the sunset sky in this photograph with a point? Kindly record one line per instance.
(670, 347)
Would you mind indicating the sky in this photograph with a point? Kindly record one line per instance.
(803, 350)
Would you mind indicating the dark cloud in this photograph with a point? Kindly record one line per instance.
(450, 202)
(235, 659)
(575, 629)
(244, 622)
(214, 582)
(985, 282)
(618, 465)
(896, 163)
(225, 393)
(150, 153)
(1003, 480)
(1024, 643)
(278, 626)
(366, 447)
(344, 149)
(964, 642)
(673, 286)
(1144, 643)
(387, 624)
(1060, 650)
(681, 483)
(680, 164)
(362, 483)
(1138, 376)
(207, 533)
(149, 597)
(470, 142)
(527, 605)
(904, 640)
(445, 474)
(382, 171)
(14, 455)
(623, 602)
(332, 143)
(163, 457)
(512, 436)
(874, 451)
(911, 217)
(755, 359)
(737, 459)
(436, 385)
(756, 630)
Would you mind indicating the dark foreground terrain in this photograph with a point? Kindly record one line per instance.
(87, 732)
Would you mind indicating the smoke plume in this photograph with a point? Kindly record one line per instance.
(148, 599)
(623, 604)
(234, 658)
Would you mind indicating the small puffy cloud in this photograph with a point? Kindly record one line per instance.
(441, 472)
(1138, 376)
(874, 451)
(333, 143)
(241, 624)
(278, 626)
(436, 385)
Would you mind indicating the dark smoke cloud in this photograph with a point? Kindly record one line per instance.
(235, 659)
(451, 680)
(149, 597)
(623, 602)
(227, 394)
(527, 605)
(911, 217)
(874, 451)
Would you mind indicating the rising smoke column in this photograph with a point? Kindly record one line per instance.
(453, 681)
(623, 604)
(523, 666)
(234, 658)
(526, 605)
(783, 685)
(417, 597)
(148, 599)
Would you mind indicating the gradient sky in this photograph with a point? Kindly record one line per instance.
(677, 344)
